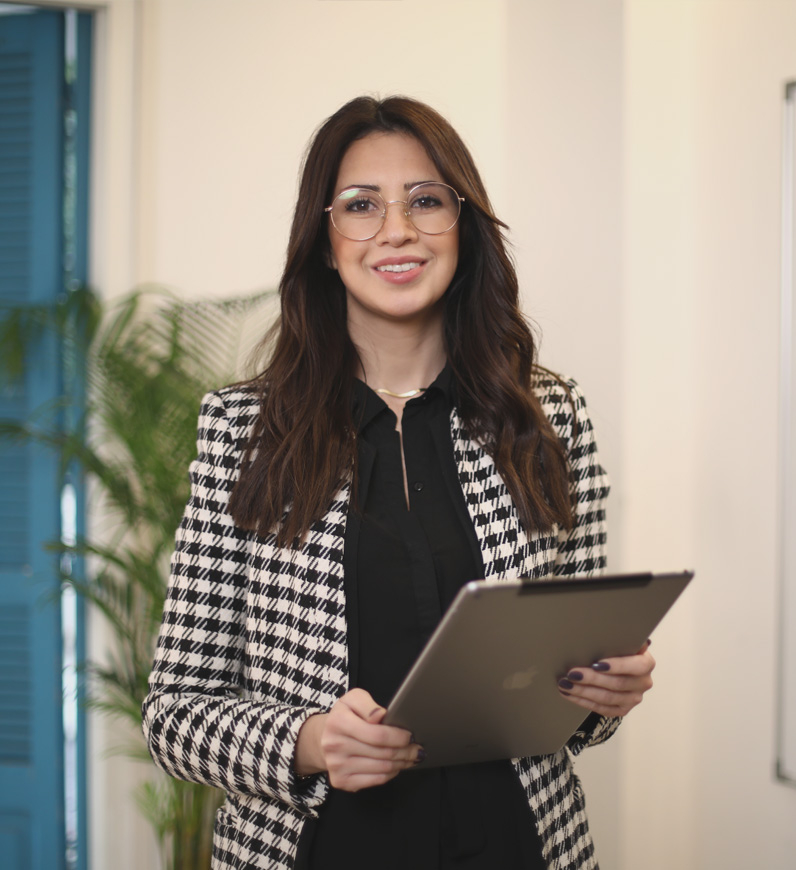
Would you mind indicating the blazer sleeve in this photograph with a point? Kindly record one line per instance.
(581, 549)
(198, 724)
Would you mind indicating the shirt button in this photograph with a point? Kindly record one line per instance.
(417, 485)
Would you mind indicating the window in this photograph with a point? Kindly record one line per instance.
(44, 78)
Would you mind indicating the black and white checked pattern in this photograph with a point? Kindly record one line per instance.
(253, 638)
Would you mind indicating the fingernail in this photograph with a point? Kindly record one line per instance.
(373, 712)
(649, 642)
(565, 684)
(421, 755)
(565, 694)
(601, 666)
(575, 675)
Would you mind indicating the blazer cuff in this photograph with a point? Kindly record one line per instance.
(593, 730)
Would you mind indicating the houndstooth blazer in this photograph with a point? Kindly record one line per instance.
(253, 638)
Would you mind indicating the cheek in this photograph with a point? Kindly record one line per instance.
(343, 254)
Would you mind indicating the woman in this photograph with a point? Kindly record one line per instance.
(400, 442)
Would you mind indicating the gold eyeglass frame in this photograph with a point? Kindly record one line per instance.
(403, 202)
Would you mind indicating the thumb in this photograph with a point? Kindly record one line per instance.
(376, 715)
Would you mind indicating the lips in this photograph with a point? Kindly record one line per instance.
(399, 270)
(399, 267)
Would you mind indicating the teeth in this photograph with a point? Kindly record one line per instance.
(403, 267)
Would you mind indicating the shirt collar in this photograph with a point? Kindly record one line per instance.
(367, 404)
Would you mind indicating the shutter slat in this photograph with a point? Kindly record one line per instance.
(16, 702)
(16, 135)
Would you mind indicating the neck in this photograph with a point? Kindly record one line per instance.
(399, 357)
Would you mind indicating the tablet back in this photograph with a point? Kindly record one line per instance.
(485, 686)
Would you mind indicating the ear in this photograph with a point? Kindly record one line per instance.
(329, 260)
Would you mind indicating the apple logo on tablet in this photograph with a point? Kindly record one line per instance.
(521, 679)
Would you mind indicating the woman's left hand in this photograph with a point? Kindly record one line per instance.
(610, 687)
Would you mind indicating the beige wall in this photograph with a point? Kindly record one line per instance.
(633, 146)
(704, 87)
(564, 205)
(225, 118)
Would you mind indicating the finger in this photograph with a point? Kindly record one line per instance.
(376, 715)
(356, 780)
(346, 731)
(638, 665)
(347, 779)
(609, 697)
(383, 736)
(362, 703)
(404, 756)
(607, 691)
(578, 680)
(374, 763)
(359, 715)
(347, 735)
(354, 772)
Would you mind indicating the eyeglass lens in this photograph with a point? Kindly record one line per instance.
(359, 213)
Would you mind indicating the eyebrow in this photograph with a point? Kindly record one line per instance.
(376, 187)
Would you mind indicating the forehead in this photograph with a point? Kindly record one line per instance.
(384, 160)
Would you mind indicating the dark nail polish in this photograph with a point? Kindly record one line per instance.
(575, 675)
(601, 666)
(421, 755)
(565, 684)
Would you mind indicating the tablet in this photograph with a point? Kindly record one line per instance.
(485, 685)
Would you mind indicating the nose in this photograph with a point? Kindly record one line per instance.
(397, 228)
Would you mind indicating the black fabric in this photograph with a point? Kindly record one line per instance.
(402, 569)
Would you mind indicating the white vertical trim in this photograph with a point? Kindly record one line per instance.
(786, 665)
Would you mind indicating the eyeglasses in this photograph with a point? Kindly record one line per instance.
(359, 213)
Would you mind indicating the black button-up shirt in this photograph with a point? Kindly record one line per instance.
(403, 567)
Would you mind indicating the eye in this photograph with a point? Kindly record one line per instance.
(425, 201)
(360, 203)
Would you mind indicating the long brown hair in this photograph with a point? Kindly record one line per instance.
(302, 446)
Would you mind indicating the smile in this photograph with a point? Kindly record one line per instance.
(398, 267)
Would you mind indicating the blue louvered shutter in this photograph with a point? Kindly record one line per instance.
(31, 171)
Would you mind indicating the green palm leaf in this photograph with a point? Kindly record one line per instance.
(134, 376)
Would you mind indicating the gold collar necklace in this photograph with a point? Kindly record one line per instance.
(409, 394)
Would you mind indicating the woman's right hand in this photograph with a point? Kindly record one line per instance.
(353, 746)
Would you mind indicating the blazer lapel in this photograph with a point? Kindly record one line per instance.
(507, 551)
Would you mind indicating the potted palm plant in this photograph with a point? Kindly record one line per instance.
(134, 375)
